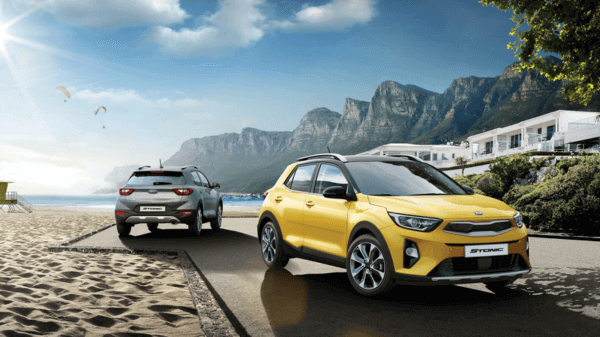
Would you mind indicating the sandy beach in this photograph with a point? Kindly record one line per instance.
(77, 294)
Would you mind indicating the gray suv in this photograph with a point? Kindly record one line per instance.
(168, 194)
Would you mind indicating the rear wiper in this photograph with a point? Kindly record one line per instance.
(162, 183)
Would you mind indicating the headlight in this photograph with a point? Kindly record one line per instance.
(417, 223)
(518, 219)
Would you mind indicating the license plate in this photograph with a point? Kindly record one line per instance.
(486, 250)
(152, 209)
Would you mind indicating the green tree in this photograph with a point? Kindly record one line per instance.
(462, 162)
(569, 28)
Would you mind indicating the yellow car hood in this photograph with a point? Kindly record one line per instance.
(446, 206)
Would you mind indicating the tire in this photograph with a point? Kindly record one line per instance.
(271, 247)
(196, 225)
(152, 227)
(123, 228)
(499, 285)
(368, 267)
(216, 223)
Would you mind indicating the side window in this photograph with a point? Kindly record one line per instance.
(329, 176)
(302, 177)
(196, 178)
(204, 180)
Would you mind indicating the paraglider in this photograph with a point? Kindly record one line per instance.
(98, 109)
(104, 127)
(65, 91)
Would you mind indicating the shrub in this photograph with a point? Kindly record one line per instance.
(508, 169)
(569, 198)
(491, 185)
(468, 180)
(516, 193)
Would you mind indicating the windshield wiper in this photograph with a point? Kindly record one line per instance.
(162, 183)
(385, 195)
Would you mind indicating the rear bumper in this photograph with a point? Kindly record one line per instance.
(458, 279)
(133, 218)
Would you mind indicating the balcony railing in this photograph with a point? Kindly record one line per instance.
(583, 123)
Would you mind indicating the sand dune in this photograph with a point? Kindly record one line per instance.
(76, 294)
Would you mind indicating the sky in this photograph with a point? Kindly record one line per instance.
(171, 70)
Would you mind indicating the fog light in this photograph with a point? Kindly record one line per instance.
(412, 252)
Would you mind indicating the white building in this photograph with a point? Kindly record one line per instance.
(561, 130)
(436, 155)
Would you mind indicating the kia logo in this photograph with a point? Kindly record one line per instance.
(478, 213)
(155, 191)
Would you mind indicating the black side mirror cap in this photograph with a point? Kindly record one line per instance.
(216, 185)
(468, 189)
(338, 192)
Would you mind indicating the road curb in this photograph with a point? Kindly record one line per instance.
(568, 237)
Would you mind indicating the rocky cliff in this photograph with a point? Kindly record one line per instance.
(253, 160)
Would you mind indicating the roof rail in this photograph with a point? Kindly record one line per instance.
(405, 155)
(331, 155)
(183, 168)
(139, 168)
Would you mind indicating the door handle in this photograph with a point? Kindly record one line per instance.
(278, 198)
(310, 203)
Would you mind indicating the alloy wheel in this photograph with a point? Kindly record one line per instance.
(269, 244)
(367, 266)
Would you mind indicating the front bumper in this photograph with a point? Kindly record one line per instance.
(442, 257)
(458, 279)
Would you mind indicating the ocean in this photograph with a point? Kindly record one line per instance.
(109, 201)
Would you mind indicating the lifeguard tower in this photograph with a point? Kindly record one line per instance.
(15, 203)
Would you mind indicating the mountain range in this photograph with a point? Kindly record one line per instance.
(252, 160)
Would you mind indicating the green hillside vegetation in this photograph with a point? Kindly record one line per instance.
(567, 198)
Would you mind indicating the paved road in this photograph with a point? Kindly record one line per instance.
(560, 297)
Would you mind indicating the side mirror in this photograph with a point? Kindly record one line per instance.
(338, 192)
(215, 185)
(468, 189)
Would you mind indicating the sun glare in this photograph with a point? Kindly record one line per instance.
(3, 35)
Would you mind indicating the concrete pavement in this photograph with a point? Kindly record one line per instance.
(561, 296)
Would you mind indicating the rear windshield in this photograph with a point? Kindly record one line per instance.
(156, 178)
(401, 179)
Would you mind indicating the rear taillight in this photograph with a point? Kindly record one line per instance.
(265, 194)
(183, 191)
(120, 212)
(185, 213)
(126, 191)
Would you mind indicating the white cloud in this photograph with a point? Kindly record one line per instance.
(236, 24)
(336, 15)
(109, 96)
(188, 108)
(112, 12)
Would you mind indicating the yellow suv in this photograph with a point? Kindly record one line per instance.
(390, 220)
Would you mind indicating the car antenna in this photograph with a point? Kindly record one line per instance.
(160, 163)
(328, 149)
